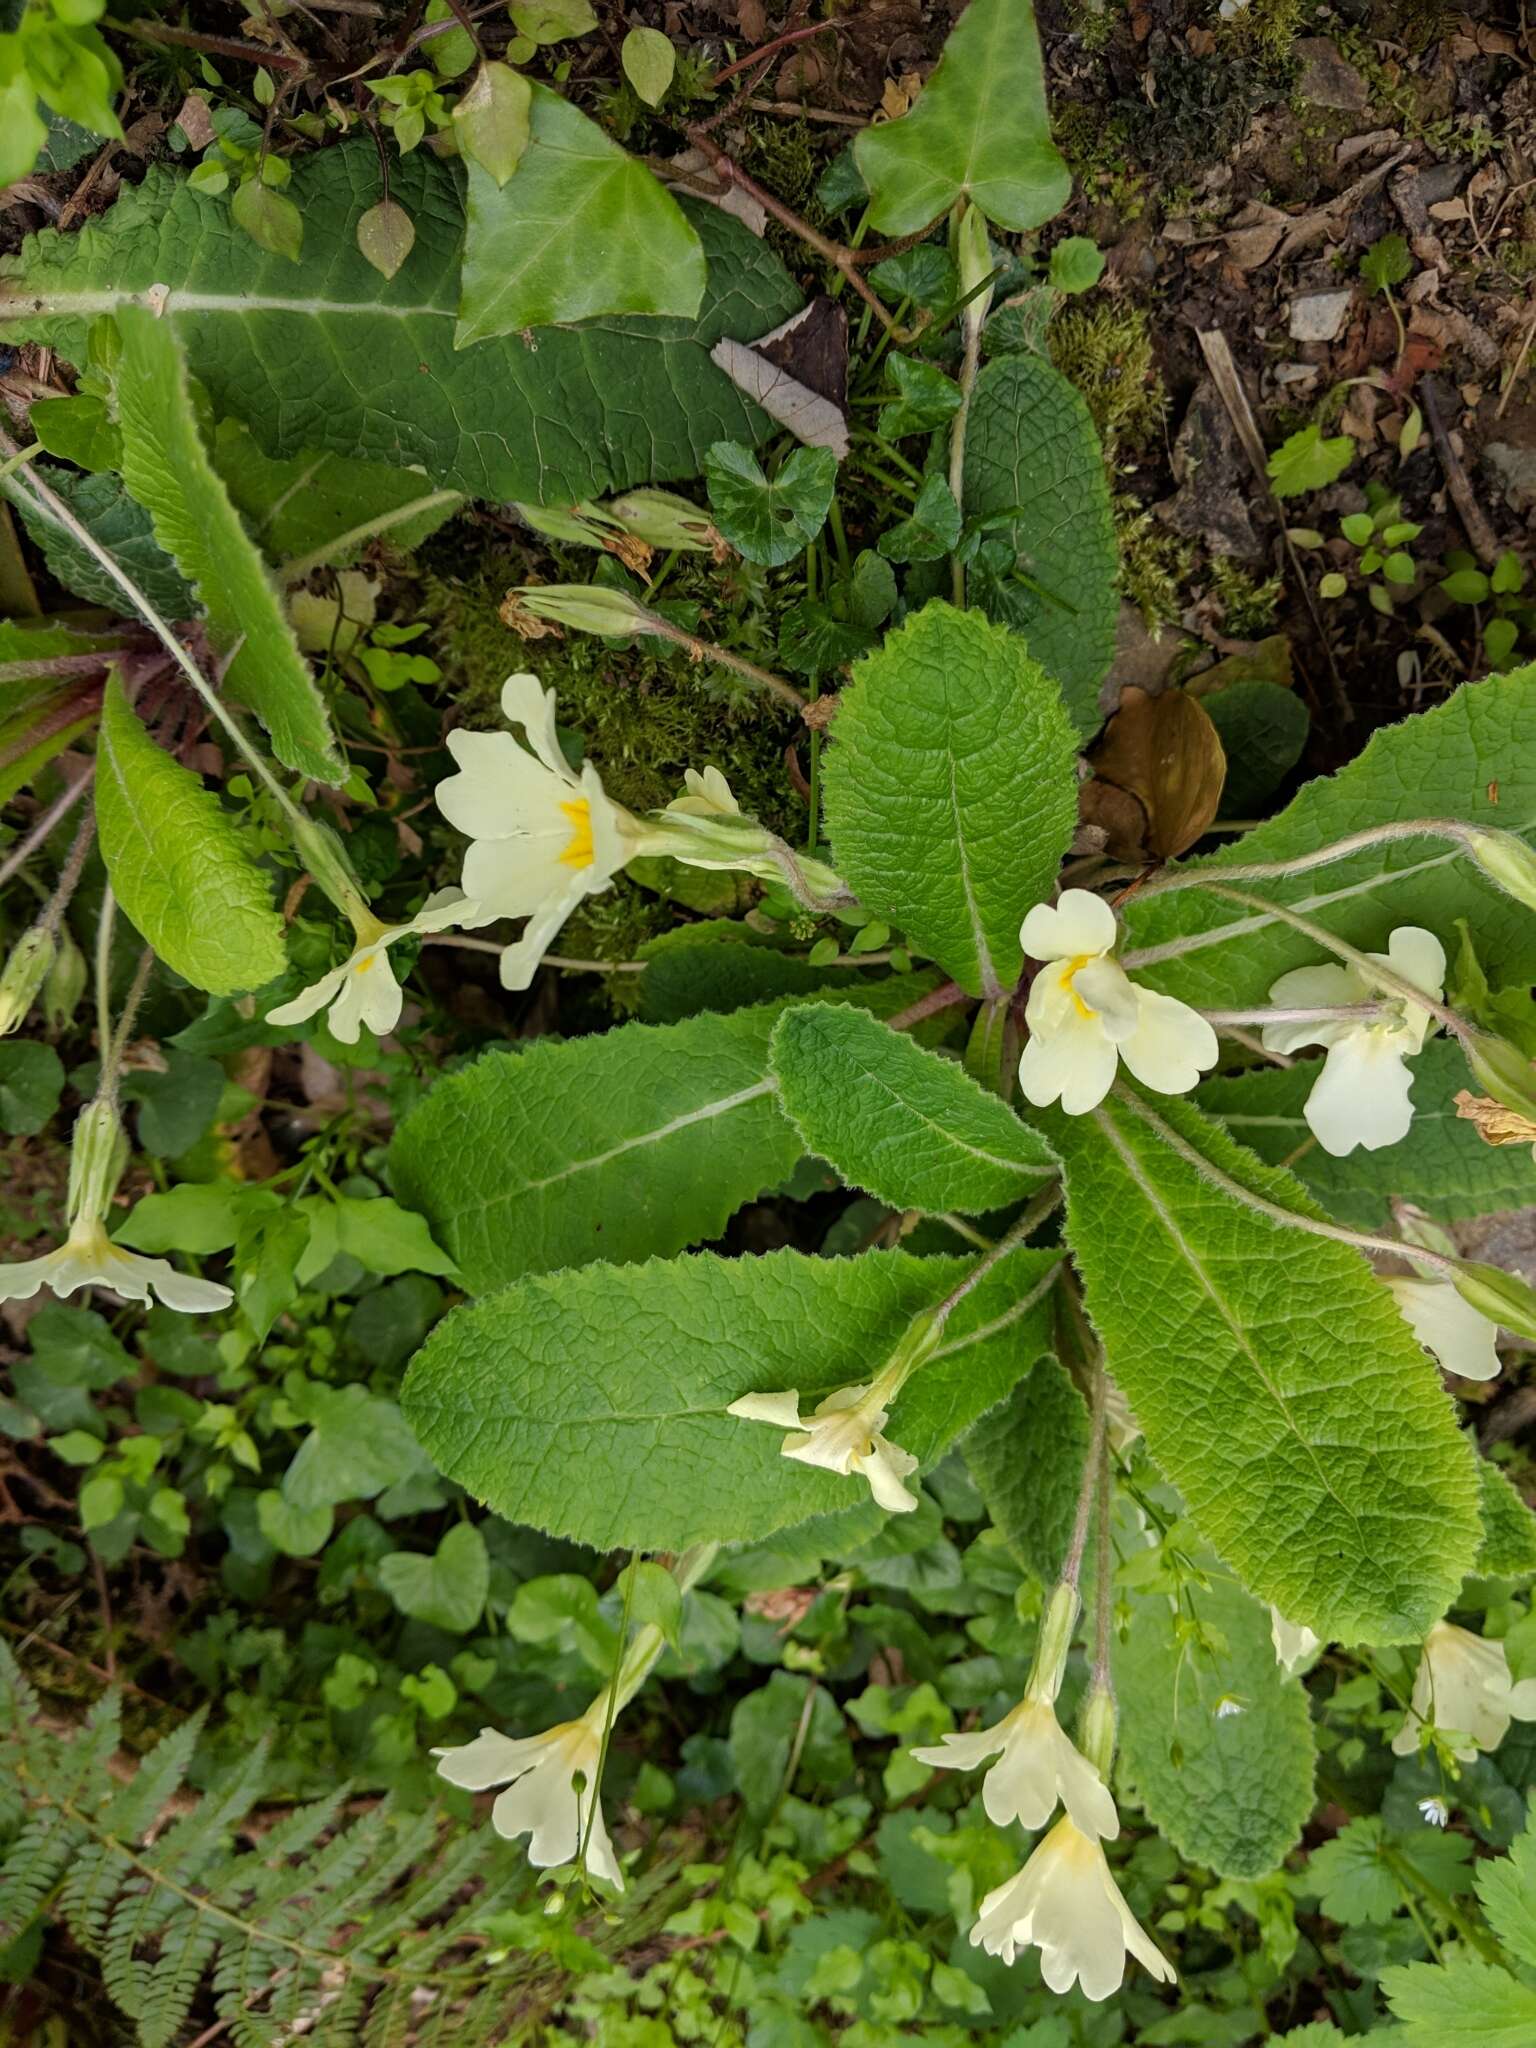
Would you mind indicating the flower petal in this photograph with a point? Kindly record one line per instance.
(526, 703)
(185, 1292)
(1464, 1341)
(491, 1759)
(1075, 1065)
(500, 788)
(885, 1466)
(1171, 1046)
(1110, 993)
(311, 999)
(1361, 1096)
(520, 961)
(1419, 957)
(1078, 922)
(782, 1410)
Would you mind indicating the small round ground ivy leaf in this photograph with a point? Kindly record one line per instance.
(769, 522)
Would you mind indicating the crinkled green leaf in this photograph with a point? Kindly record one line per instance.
(1472, 758)
(591, 1402)
(1278, 1387)
(625, 1146)
(1032, 453)
(177, 865)
(1508, 1892)
(122, 527)
(1229, 1789)
(980, 130)
(1027, 1460)
(167, 469)
(1509, 1527)
(951, 790)
(1442, 1165)
(327, 354)
(580, 229)
(357, 1445)
(906, 1125)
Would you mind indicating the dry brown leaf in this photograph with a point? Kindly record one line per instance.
(1495, 1124)
(1165, 752)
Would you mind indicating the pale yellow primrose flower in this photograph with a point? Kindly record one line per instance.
(1463, 1339)
(542, 836)
(542, 1800)
(1065, 1902)
(1037, 1762)
(88, 1257)
(1086, 1015)
(363, 989)
(1463, 1685)
(842, 1435)
(1361, 1096)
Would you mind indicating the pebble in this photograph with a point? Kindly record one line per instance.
(1320, 315)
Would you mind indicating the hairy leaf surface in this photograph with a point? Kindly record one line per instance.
(167, 468)
(904, 1124)
(1027, 1461)
(1278, 1387)
(327, 354)
(176, 865)
(1031, 450)
(627, 1146)
(1228, 1789)
(592, 1403)
(951, 790)
(1472, 758)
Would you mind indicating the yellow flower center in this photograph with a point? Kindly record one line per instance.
(363, 962)
(579, 853)
(1069, 970)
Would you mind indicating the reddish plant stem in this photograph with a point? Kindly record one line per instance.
(943, 998)
(794, 35)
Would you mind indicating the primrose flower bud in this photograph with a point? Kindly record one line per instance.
(24, 974)
(974, 260)
(1502, 1070)
(589, 607)
(1096, 1730)
(326, 859)
(1507, 861)
(1501, 1297)
(65, 984)
(583, 523)
(98, 1156)
(664, 520)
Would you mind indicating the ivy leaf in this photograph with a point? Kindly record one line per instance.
(931, 529)
(937, 733)
(447, 1589)
(584, 229)
(980, 130)
(1473, 758)
(1034, 475)
(1228, 1789)
(769, 522)
(166, 467)
(1331, 1475)
(1027, 1460)
(1309, 461)
(357, 1445)
(907, 1126)
(327, 355)
(176, 863)
(494, 120)
(926, 397)
(591, 1402)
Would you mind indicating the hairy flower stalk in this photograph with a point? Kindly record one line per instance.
(553, 1779)
(1502, 856)
(537, 609)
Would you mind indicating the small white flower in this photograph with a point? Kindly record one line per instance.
(1463, 1340)
(541, 1799)
(1229, 1706)
(89, 1258)
(1037, 1764)
(1361, 1096)
(1066, 1903)
(1463, 1686)
(363, 989)
(1085, 1014)
(1295, 1644)
(1435, 1812)
(842, 1435)
(541, 836)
